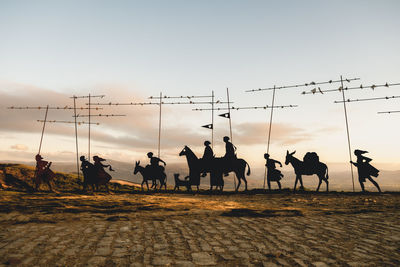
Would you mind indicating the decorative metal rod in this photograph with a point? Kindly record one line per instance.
(78, 122)
(373, 86)
(368, 99)
(60, 108)
(301, 85)
(239, 108)
(388, 112)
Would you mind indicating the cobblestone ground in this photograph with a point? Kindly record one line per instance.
(199, 230)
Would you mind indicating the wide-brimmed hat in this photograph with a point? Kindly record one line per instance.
(37, 157)
(226, 138)
(150, 154)
(359, 152)
(206, 143)
(82, 158)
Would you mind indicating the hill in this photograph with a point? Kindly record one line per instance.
(20, 177)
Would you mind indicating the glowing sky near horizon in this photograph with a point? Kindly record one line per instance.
(134, 49)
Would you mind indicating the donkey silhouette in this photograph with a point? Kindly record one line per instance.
(149, 173)
(302, 168)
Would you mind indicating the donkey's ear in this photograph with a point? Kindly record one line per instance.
(287, 152)
(293, 152)
(138, 162)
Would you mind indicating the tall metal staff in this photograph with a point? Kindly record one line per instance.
(44, 125)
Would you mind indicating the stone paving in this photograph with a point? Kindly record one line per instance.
(233, 237)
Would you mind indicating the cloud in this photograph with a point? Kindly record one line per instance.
(19, 147)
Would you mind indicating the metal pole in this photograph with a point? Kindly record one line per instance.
(212, 120)
(347, 129)
(269, 131)
(159, 127)
(44, 125)
(89, 132)
(76, 139)
(230, 128)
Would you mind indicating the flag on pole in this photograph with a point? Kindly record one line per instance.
(225, 115)
(208, 126)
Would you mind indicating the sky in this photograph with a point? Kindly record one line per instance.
(130, 50)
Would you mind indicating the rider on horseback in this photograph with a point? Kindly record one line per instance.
(207, 158)
(230, 155)
(154, 162)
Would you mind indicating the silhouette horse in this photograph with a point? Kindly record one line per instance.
(195, 169)
(300, 168)
(217, 168)
(149, 173)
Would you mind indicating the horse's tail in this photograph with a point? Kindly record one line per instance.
(327, 175)
(248, 168)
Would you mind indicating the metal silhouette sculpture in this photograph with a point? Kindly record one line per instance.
(89, 174)
(155, 165)
(310, 166)
(102, 177)
(217, 168)
(273, 175)
(365, 170)
(179, 182)
(43, 173)
(208, 156)
(149, 173)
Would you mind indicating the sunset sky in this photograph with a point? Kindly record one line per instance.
(130, 50)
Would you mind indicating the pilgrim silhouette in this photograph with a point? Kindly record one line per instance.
(272, 173)
(365, 170)
(89, 175)
(102, 176)
(43, 172)
(208, 156)
(309, 166)
(230, 153)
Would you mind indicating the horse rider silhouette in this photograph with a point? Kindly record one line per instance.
(230, 155)
(365, 170)
(154, 162)
(207, 158)
(272, 173)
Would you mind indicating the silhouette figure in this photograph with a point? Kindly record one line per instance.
(102, 176)
(179, 182)
(230, 154)
(155, 164)
(311, 165)
(365, 170)
(89, 175)
(149, 173)
(43, 173)
(272, 173)
(207, 158)
(217, 168)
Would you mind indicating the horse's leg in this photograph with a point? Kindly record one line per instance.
(319, 183)
(295, 183)
(269, 183)
(238, 185)
(279, 185)
(141, 185)
(301, 182)
(327, 184)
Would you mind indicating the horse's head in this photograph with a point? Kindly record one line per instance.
(183, 152)
(137, 167)
(289, 156)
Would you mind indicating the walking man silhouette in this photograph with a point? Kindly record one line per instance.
(365, 170)
(272, 173)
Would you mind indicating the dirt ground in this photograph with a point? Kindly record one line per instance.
(179, 229)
